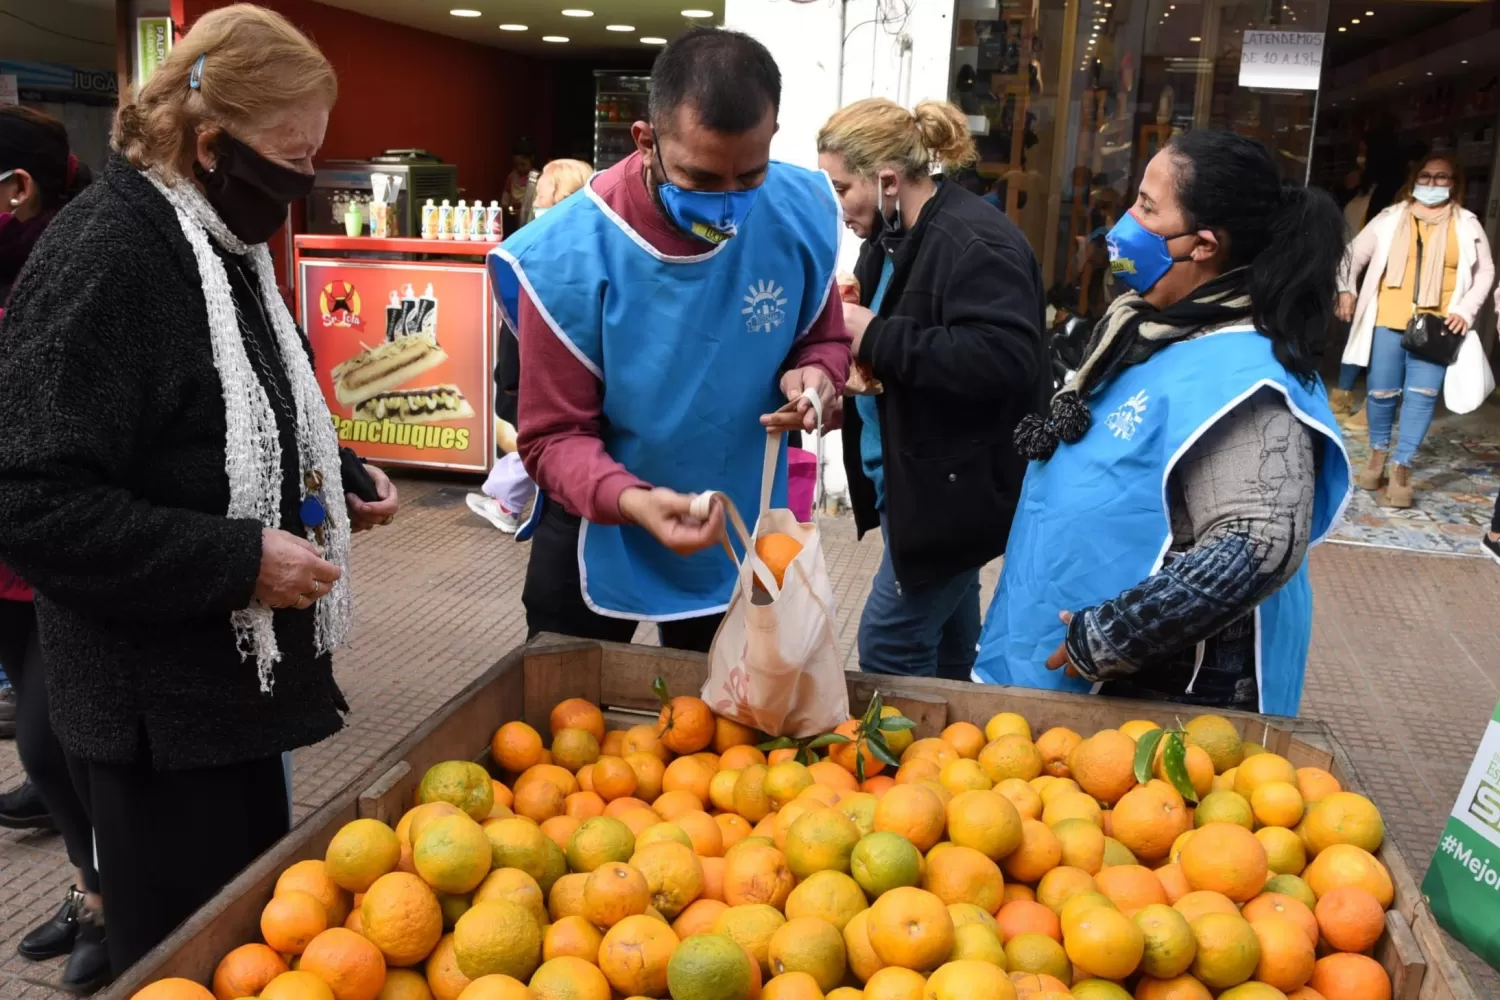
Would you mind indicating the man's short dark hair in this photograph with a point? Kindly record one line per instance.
(727, 77)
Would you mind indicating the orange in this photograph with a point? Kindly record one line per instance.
(1173, 882)
(820, 840)
(569, 979)
(497, 988)
(597, 841)
(793, 986)
(574, 749)
(1263, 769)
(1026, 917)
(565, 780)
(516, 747)
(685, 725)
(1275, 906)
(675, 876)
(402, 917)
(1038, 955)
(985, 821)
(1178, 988)
(312, 878)
(613, 892)
(287, 986)
(246, 970)
(658, 832)
(699, 918)
(1224, 806)
(443, 974)
(351, 966)
(649, 774)
(405, 984)
(1169, 941)
(172, 989)
(1228, 950)
(732, 735)
(754, 873)
(859, 808)
(291, 920)
(613, 778)
(670, 805)
(863, 962)
(914, 812)
(1072, 805)
(688, 774)
(1039, 987)
(1344, 818)
(1316, 784)
(962, 776)
(963, 875)
(1038, 854)
(1104, 765)
(828, 774)
(540, 800)
(966, 738)
(969, 980)
(777, 551)
(917, 769)
(639, 819)
(911, 928)
(573, 936)
(1286, 956)
(936, 751)
(713, 878)
(1345, 864)
(461, 782)
(734, 828)
(1011, 756)
(560, 829)
(809, 945)
(613, 743)
(1062, 884)
(635, 954)
(1025, 798)
(577, 713)
(1147, 819)
(785, 781)
(1200, 769)
(848, 755)
(1350, 977)
(453, 854)
(707, 837)
(1104, 943)
(1350, 918)
(497, 937)
(1055, 746)
(737, 758)
(896, 984)
(1199, 904)
(566, 897)
(878, 785)
(1285, 852)
(1225, 858)
(752, 927)
(712, 967)
(1131, 887)
(1219, 738)
(1277, 803)
(977, 942)
(644, 739)
(779, 823)
(361, 852)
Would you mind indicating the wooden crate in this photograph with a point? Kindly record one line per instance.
(528, 681)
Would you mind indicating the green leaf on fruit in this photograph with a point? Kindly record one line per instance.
(659, 688)
(882, 753)
(896, 724)
(827, 740)
(1145, 754)
(779, 743)
(1174, 763)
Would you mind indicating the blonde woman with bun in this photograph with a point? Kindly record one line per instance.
(509, 490)
(949, 324)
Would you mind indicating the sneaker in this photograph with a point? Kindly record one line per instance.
(1491, 547)
(22, 808)
(7, 713)
(489, 508)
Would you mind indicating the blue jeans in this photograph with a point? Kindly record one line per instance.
(1348, 374)
(927, 631)
(1398, 377)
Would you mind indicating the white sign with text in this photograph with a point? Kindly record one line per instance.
(1282, 60)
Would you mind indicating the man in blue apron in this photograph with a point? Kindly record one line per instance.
(665, 314)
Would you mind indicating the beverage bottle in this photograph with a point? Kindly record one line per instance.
(461, 220)
(429, 220)
(494, 221)
(445, 221)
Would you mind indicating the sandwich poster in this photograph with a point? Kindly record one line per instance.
(403, 353)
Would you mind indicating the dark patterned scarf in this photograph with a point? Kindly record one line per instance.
(1130, 331)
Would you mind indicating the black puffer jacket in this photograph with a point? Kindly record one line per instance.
(113, 498)
(958, 347)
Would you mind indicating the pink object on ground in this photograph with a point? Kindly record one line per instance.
(801, 482)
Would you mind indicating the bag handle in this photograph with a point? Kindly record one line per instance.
(1416, 280)
(773, 453)
(702, 509)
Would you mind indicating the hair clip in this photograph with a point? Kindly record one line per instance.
(195, 78)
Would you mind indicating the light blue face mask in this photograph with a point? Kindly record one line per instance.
(712, 216)
(1430, 194)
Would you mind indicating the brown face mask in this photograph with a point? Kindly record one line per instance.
(250, 193)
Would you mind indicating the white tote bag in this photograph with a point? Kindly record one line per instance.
(1468, 382)
(775, 662)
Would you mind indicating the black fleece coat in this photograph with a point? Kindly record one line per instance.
(958, 348)
(113, 498)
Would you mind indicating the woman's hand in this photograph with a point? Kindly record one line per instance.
(292, 572)
(1059, 657)
(1344, 308)
(364, 516)
(668, 517)
(856, 321)
(1457, 324)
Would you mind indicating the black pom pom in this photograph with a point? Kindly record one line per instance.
(1070, 419)
(1033, 439)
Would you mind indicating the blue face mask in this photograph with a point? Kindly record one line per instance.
(1138, 257)
(1430, 194)
(712, 216)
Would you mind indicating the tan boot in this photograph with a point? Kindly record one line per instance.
(1372, 476)
(1398, 493)
(1341, 401)
(1360, 421)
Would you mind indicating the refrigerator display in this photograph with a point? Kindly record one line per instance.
(619, 102)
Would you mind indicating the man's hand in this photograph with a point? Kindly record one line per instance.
(801, 417)
(1344, 308)
(364, 516)
(1457, 323)
(1059, 657)
(667, 516)
(857, 321)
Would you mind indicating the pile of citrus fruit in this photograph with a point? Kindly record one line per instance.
(680, 860)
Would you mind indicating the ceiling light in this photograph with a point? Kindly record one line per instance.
(653, 40)
(512, 27)
(1353, 20)
(575, 12)
(1195, 38)
(619, 27)
(1369, 13)
(464, 12)
(1464, 61)
(697, 13)
(1429, 72)
(1342, 28)
(555, 39)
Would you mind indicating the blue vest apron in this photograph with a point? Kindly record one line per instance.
(689, 350)
(1093, 520)
(871, 450)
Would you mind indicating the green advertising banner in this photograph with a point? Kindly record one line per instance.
(153, 40)
(1463, 884)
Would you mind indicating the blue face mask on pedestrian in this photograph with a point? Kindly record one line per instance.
(1138, 257)
(712, 216)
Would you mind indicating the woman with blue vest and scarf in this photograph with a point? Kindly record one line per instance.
(1160, 548)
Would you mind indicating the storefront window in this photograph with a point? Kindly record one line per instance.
(1069, 99)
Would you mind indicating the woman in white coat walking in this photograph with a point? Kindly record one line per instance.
(1453, 278)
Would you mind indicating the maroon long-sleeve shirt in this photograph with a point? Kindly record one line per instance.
(561, 402)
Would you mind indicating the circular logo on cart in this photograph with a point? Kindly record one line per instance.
(339, 304)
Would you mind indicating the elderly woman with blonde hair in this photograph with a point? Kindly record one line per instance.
(508, 490)
(173, 489)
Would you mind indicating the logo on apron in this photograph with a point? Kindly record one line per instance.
(763, 310)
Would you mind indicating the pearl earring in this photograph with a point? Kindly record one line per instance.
(15, 203)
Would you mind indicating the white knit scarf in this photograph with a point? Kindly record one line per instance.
(252, 447)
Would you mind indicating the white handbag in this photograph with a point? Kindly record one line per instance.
(1469, 380)
(775, 662)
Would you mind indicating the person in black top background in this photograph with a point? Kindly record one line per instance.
(949, 323)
